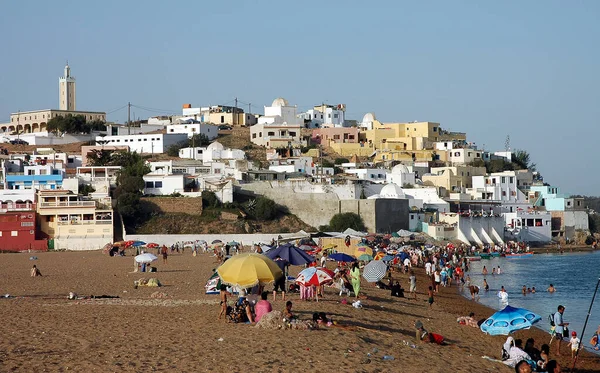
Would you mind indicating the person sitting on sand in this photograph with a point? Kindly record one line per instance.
(516, 354)
(544, 357)
(468, 320)
(397, 291)
(262, 307)
(287, 311)
(35, 272)
(531, 350)
(523, 367)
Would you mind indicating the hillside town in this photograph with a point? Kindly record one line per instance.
(56, 193)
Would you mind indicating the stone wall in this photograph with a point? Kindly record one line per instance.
(186, 205)
(317, 209)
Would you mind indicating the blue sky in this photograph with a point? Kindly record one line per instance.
(491, 69)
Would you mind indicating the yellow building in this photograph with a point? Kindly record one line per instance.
(75, 223)
(453, 179)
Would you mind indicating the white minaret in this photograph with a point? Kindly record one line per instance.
(66, 90)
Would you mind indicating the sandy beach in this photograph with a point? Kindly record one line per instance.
(177, 330)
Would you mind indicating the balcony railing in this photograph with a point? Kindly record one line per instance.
(68, 204)
(5, 207)
(84, 222)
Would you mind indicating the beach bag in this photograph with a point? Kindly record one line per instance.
(551, 319)
(566, 332)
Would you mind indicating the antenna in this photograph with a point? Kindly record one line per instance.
(507, 143)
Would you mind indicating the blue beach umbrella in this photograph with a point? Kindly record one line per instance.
(387, 258)
(138, 243)
(341, 257)
(508, 320)
(292, 254)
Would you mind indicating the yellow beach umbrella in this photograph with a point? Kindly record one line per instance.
(249, 269)
(329, 247)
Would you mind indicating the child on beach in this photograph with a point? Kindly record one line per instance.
(413, 284)
(430, 296)
(35, 272)
(574, 343)
(223, 294)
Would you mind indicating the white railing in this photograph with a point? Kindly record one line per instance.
(68, 204)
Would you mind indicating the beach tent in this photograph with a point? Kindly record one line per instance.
(249, 269)
(291, 253)
(214, 283)
(404, 233)
(352, 232)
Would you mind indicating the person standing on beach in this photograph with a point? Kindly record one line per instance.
(559, 327)
(430, 296)
(165, 254)
(223, 294)
(413, 284)
(355, 276)
(280, 283)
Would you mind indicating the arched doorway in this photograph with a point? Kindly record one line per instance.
(42, 127)
(27, 128)
(19, 128)
(11, 129)
(35, 127)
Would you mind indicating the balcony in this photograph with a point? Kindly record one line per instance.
(84, 222)
(7, 207)
(68, 204)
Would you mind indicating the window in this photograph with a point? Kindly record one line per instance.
(412, 217)
(70, 160)
(329, 115)
(253, 135)
(149, 184)
(503, 179)
(14, 233)
(512, 179)
(335, 116)
(468, 154)
(434, 129)
(293, 134)
(503, 193)
(26, 224)
(222, 119)
(270, 133)
(158, 184)
(260, 134)
(350, 137)
(569, 203)
(336, 137)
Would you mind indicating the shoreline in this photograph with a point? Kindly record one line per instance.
(587, 361)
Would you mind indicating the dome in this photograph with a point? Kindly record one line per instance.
(278, 102)
(369, 117)
(215, 146)
(391, 191)
(400, 169)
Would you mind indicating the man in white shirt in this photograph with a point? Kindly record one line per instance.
(324, 260)
(428, 268)
(503, 295)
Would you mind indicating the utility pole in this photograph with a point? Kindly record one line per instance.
(129, 118)
(235, 112)
(194, 147)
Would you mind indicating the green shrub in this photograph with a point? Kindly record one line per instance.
(341, 222)
(209, 199)
(265, 209)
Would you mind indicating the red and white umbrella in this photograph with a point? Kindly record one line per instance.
(152, 245)
(316, 276)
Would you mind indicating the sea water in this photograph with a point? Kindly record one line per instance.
(574, 275)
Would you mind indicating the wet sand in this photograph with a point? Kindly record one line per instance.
(44, 331)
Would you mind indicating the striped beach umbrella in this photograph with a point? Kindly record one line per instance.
(375, 271)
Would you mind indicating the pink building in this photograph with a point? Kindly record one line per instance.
(326, 136)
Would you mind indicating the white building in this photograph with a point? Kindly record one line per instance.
(498, 186)
(375, 175)
(214, 152)
(279, 127)
(400, 175)
(303, 165)
(324, 116)
(191, 128)
(155, 143)
(367, 121)
(430, 198)
(528, 226)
